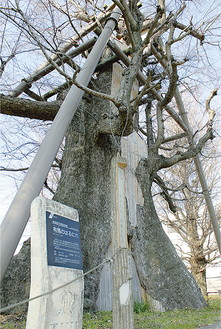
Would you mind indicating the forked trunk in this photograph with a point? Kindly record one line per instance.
(162, 273)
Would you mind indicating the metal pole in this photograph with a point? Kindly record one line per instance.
(197, 161)
(200, 172)
(18, 213)
(41, 72)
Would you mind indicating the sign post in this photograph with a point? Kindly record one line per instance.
(122, 298)
(55, 261)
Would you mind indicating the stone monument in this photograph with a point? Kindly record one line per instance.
(55, 261)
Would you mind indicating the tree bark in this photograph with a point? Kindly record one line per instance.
(197, 259)
(162, 273)
(28, 109)
(85, 184)
(198, 271)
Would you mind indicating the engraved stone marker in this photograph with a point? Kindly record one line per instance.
(122, 298)
(55, 261)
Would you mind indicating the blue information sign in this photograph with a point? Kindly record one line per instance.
(63, 242)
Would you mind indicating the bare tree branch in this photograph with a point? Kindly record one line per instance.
(29, 109)
(210, 112)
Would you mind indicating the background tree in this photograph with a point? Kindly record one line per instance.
(94, 136)
(188, 215)
(191, 221)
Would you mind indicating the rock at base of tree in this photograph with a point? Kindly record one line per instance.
(89, 306)
(15, 286)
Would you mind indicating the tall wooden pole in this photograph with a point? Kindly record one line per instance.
(122, 297)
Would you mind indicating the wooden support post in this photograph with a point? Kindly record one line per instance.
(122, 297)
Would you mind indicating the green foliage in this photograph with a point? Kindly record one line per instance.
(141, 307)
(143, 319)
(181, 319)
(214, 303)
(13, 321)
(98, 320)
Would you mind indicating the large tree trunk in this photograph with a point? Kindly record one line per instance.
(162, 273)
(85, 183)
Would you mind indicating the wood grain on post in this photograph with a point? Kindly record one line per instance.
(122, 297)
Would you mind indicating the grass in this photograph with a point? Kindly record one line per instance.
(141, 307)
(12, 321)
(185, 319)
(143, 318)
